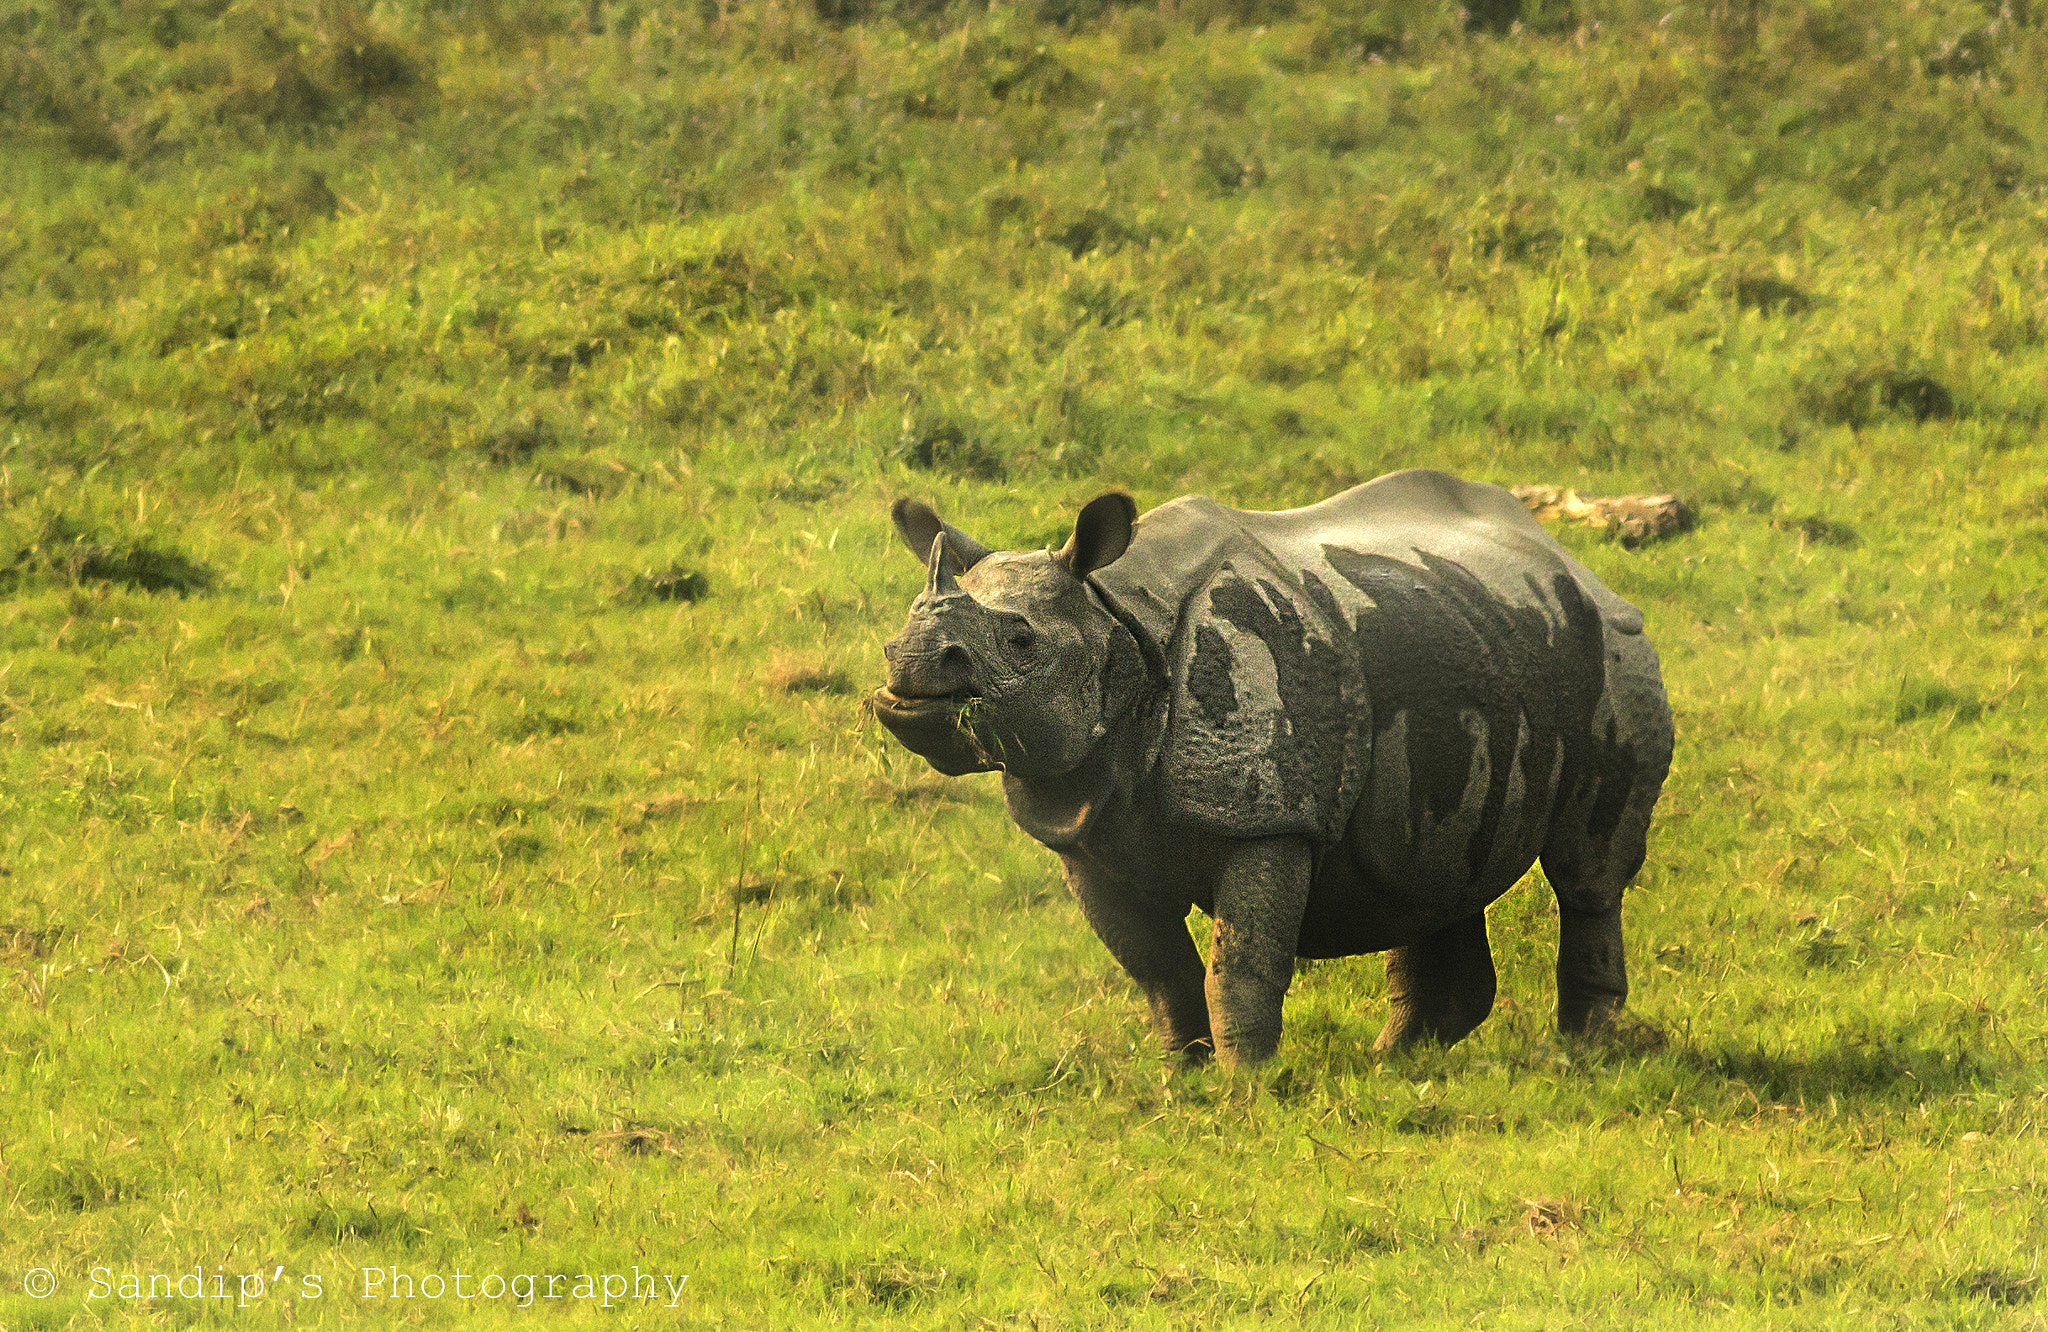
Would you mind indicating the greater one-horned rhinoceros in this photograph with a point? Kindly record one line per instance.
(1339, 729)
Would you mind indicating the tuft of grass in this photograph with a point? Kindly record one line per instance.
(1999, 1288)
(673, 583)
(389, 1227)
(1920, 698)
(71, 552)
(1552, 1216)
(1820, 530)
(947, 446)
(804, 676)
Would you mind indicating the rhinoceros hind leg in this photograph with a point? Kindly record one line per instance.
(1592, 973)
(1441, 988)
(1595, 850)
(1589, 875)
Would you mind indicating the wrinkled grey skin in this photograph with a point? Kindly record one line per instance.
(1340, 729)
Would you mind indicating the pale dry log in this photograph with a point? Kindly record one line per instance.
(1637, 519)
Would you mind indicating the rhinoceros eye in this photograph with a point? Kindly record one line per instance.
(1022, 638)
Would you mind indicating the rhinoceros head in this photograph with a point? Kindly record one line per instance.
(1003, 661)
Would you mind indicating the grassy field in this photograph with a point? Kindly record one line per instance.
(444, 458)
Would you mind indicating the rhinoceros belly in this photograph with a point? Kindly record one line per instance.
(1485, 688)
(1453, 812)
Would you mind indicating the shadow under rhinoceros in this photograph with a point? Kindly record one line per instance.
(1857, 1068)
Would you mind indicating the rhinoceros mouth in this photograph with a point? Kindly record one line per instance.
(922, 705)
(933, 727)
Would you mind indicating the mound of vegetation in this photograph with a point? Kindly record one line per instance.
(72, 553)
(985, 242)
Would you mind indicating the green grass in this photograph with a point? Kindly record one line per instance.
(444, 458)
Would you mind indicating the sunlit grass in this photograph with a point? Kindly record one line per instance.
(443, 467)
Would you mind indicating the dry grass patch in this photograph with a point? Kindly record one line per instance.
(806, 675)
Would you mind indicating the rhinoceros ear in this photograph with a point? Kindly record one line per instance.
(1101, 534)
(919, 526)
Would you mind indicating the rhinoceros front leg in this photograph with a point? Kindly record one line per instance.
(1149, 939)
(1260, 897)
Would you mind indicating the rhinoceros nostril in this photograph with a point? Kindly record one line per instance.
(929, 673)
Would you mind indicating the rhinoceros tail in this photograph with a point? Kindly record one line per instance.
(1620, 616)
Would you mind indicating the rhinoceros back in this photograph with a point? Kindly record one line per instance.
(1413, 667)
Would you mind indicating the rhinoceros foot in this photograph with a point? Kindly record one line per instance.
(1620, 1030)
